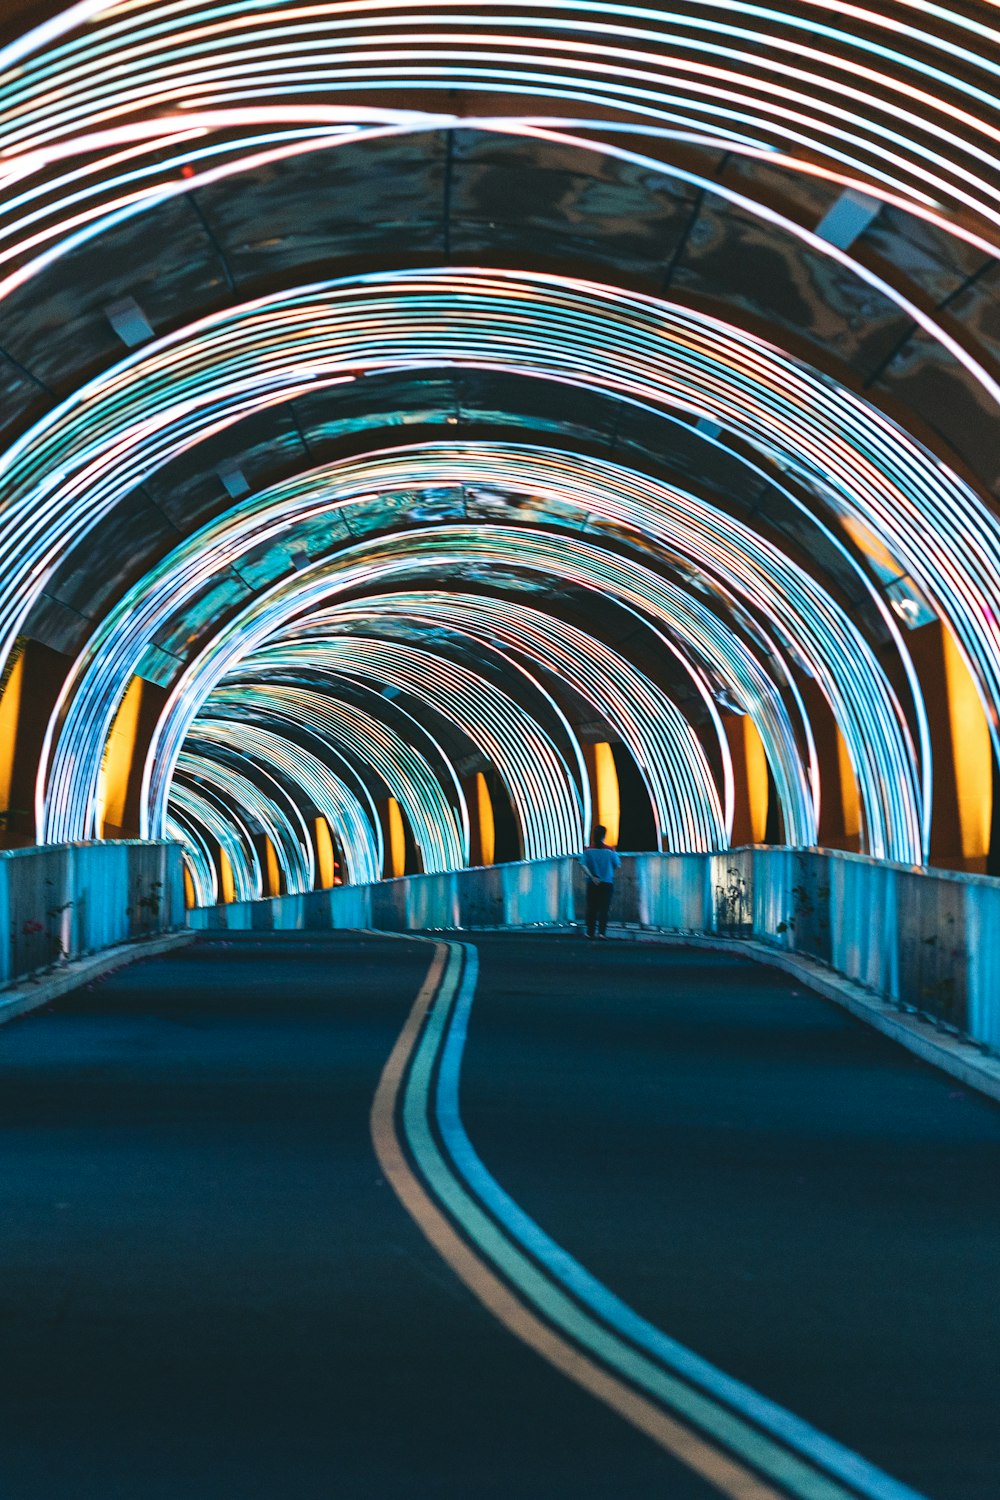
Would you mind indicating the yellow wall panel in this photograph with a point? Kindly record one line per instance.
(118, 760)
(396, 849)
(10, 714)
(606, 794)
(487, 826)
(756, 774)
(325, 856)
(227, 885)
(272, 871)
(849, 794)
(972, 752)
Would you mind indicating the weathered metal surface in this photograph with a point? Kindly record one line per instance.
(67, 900)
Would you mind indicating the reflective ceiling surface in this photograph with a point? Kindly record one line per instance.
(667, 336)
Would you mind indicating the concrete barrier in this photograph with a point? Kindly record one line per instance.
(926, 939)
(65, 901)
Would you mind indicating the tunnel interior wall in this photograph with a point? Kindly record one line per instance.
(918, 938)
(62, 901)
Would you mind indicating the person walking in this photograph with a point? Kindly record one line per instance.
(599, 865)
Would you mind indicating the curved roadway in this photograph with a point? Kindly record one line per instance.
(516, 1216)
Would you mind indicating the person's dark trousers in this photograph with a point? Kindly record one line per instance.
(598, 903)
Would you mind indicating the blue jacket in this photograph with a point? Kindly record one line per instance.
(600, 862)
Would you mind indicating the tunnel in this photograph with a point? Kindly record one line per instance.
(430, 434)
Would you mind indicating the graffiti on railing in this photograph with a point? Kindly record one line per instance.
(734, 905)
(62, 901)
(144, 911)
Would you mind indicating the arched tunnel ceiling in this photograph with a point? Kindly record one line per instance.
(468, 197)
(676, 328)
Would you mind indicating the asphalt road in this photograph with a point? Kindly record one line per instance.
(209, 1287)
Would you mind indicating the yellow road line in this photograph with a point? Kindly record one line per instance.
(717, 1468)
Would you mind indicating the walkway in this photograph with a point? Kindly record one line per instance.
(209, 1285)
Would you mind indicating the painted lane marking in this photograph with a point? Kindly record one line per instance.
(749, 1426)
(840, 1461)
(731, 1479)
(742, 1443)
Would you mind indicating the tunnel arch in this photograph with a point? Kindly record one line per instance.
(552, 476)
(299, 769)
(833, 532)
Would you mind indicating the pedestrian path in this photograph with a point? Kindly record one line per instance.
(520, 1217)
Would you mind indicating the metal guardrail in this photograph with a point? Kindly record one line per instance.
(62, 901)
(923, 939)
